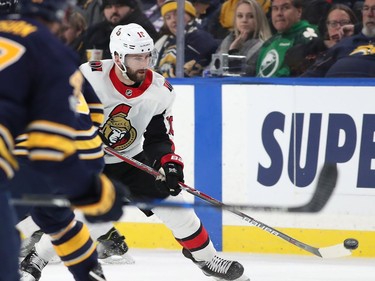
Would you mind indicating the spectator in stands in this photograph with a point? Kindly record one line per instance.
(301, 56)
(201, 7)
(315, 12)
(116, 12)
(221, 22)
(251, 29)
(151, 9)
(199, 44)
(206, 10)
(73, 30)
(291, 30)
(353, 56)
(338, 16)
(92, 11)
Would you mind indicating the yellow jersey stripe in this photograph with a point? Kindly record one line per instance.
(6, 154)
(4, 165)
(52, 127)
(91, 156)
(75, 243)
(41, 141)
(97, 118)
(86, 133)
(89, 144)
(61, 233)
(6, 136)
(82, 257)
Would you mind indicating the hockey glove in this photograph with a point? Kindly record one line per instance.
(105, 201)
(171, 167)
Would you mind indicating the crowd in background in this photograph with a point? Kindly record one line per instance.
(273, 38)
(266, 38)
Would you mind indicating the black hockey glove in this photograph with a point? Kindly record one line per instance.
(172, 167)
(105, 201)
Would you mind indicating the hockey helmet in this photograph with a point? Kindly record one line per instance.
(50, 10)
(131, 39)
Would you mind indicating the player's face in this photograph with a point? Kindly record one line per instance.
(136, 66)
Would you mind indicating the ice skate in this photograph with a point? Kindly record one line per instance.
(31, 267)
(96, 274)
(112, 248)
(219, 269)
(28, 243)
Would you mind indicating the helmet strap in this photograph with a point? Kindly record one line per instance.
(122, 68)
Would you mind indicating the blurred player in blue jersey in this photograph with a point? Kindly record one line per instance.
(58, 218)
(81, 257)
(40, 93)
(9, 237)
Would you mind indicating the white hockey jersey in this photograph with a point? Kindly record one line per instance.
(135, 118)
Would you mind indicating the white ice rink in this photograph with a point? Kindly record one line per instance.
(165, 265)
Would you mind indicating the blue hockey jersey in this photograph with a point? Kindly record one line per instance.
(41, 95)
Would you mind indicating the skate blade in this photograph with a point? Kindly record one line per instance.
(96, 276)
(124, 259)
(242, 278)
(25, 276)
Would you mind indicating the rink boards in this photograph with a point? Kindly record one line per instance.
(241, 139)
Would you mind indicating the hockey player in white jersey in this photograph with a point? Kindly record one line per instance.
(138, 123)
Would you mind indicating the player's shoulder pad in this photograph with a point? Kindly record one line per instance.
(160, 79)
(168, 85)
(96, 65)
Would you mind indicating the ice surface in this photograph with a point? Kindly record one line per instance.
(166, 265)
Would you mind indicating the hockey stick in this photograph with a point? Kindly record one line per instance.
(326, 184)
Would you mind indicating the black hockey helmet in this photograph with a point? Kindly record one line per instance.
(50, 10)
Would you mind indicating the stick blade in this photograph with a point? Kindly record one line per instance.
(326, 184)
(335, 251)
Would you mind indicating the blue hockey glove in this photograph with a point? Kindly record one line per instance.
(105, 201)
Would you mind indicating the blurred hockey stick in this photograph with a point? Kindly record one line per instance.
(326, 184)
(322, 193)
(324, 189)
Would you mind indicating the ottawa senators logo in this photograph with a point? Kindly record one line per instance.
(118, 130)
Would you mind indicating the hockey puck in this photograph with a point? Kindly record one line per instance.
(351, 244)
